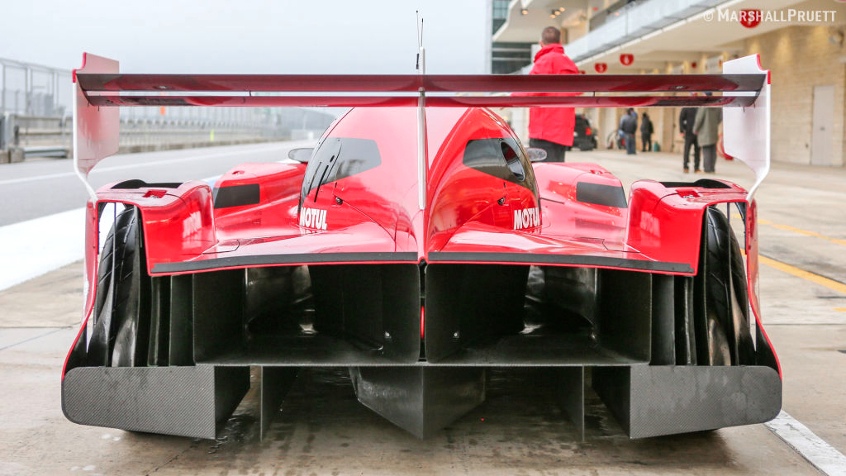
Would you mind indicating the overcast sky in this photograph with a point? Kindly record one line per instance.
(249, 36)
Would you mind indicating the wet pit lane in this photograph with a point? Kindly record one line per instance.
(321, 428)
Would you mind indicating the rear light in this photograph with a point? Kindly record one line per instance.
(687, 193)
(588, 131)
(155, 193)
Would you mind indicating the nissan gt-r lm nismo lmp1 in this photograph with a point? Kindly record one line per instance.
(419, 247)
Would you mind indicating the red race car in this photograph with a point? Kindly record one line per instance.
(419, 246)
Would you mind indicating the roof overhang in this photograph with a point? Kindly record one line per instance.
(662, 32)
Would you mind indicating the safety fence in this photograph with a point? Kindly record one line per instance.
(24, 136)
(36, 119)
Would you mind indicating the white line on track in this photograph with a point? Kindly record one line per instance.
(823, 456)
(32, 248)
(142, 164)
(35, 247)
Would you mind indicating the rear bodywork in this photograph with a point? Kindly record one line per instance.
(418, 247)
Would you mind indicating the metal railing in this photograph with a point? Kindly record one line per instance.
(35, 119)
(628, 21)
(34, 90)
(24, 136)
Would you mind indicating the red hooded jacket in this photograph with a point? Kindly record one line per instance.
(555, 124)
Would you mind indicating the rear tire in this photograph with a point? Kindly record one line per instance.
(721, 311)
(119, 337)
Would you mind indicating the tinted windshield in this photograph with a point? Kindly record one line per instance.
(337, 158)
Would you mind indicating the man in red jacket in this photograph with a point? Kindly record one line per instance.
(551, 128)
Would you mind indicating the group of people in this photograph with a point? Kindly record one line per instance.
(552, 128)
(628, 129)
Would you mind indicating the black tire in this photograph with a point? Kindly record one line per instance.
(119, 338)
(723, 336)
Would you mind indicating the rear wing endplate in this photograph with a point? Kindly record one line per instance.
(746, 130)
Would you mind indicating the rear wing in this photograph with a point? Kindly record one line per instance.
(101, 89)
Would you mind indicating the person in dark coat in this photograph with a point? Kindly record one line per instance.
(551, 128)
(646, 130)
(686, 120)
(629, 127)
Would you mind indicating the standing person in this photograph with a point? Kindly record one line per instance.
(621, 136)
(706, 128)
(646, 131)
(629, 126)
(686, 119)
(551, 128)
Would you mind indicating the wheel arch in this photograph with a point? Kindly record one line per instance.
(177, 222)
(177, 219)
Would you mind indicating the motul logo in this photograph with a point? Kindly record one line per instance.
(526, 218)
(313, 218)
